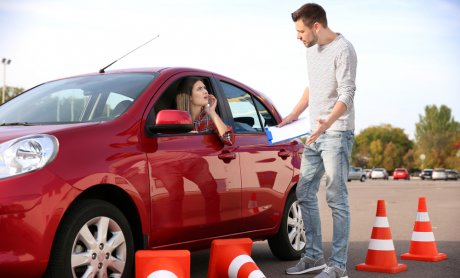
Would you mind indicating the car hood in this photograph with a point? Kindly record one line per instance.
(12, 132)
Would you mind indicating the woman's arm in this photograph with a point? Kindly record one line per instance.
(225, 132)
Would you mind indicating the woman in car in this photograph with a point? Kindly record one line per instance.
(194, 97)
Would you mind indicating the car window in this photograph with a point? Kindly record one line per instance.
(116, 105)
(77, 99)
(167, 100)
(70, 106)
(249, 114)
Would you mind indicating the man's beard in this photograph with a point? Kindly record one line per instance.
(313, 42)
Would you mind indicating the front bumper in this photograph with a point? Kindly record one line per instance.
(31, 206)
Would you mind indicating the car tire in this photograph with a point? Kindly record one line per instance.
(111, 254)
(289, 242)
(363, 179)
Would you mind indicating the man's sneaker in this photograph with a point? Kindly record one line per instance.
(306, 264)
(332, 272)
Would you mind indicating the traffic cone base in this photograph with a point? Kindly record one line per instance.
(434, 258)
(381, 261)
(373, 268)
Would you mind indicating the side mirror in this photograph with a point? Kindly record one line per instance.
(172, 121)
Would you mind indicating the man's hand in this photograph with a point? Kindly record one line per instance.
(322, 127)
(289, 119)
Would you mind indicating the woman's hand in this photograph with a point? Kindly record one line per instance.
(212, 104)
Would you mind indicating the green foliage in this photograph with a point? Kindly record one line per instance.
(382, 146)
(10, 92)
(436, 135)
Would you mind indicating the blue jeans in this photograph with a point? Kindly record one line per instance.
(330, 154)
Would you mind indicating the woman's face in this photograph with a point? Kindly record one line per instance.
(199, 94)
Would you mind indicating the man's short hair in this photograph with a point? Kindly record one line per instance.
(310, 13)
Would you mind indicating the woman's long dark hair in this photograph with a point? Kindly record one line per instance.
(184, 92)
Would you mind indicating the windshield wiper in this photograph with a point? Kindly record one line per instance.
(16, 123)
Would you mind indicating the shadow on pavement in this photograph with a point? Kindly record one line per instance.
(272, 267)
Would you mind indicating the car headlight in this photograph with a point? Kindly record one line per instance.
(27, 154)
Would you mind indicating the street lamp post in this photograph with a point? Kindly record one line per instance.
(5, 62)
(422, 158)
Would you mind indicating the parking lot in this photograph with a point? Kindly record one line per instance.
(401, 198)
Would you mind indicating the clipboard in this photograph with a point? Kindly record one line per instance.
(297, 128)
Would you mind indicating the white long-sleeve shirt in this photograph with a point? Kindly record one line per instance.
(332, 74)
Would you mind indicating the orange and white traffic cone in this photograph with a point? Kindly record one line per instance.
(381, 255)
(231, 258)
(422, 245)
(162, 264)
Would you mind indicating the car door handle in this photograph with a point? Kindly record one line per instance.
(226, 156)
(284, 154)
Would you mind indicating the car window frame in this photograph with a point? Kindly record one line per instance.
(254, 97)
(209, 81)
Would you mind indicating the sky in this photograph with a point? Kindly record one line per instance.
(408, 51)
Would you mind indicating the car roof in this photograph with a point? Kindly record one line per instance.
(170, 70)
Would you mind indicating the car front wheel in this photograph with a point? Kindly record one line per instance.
(94, 240)
(289, 242)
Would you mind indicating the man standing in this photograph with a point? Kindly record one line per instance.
(331, 71)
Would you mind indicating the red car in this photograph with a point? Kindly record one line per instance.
(97, 166)
(401, 173)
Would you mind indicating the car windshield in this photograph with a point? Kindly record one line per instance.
(76, 100)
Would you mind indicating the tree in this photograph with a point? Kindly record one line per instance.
(375, 153)
(11, 92)
(391, 157)
(436, 134)
(382, 146)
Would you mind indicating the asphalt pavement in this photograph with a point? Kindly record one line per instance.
(401, 199)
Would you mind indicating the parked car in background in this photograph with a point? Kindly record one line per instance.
(379, 173)
(368, 173)
(401, 173)
(426, 174)
(452, 174)
(439, 174)
(356, 173)
(97, 166)
(415, 173)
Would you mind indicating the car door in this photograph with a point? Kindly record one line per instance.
(195, 180)
(266, 170)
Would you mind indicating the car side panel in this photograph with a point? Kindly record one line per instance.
(267, 173)
(194, 194)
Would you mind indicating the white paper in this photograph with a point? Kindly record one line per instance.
(297, 128)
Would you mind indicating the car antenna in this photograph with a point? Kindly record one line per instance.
(103, 69)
